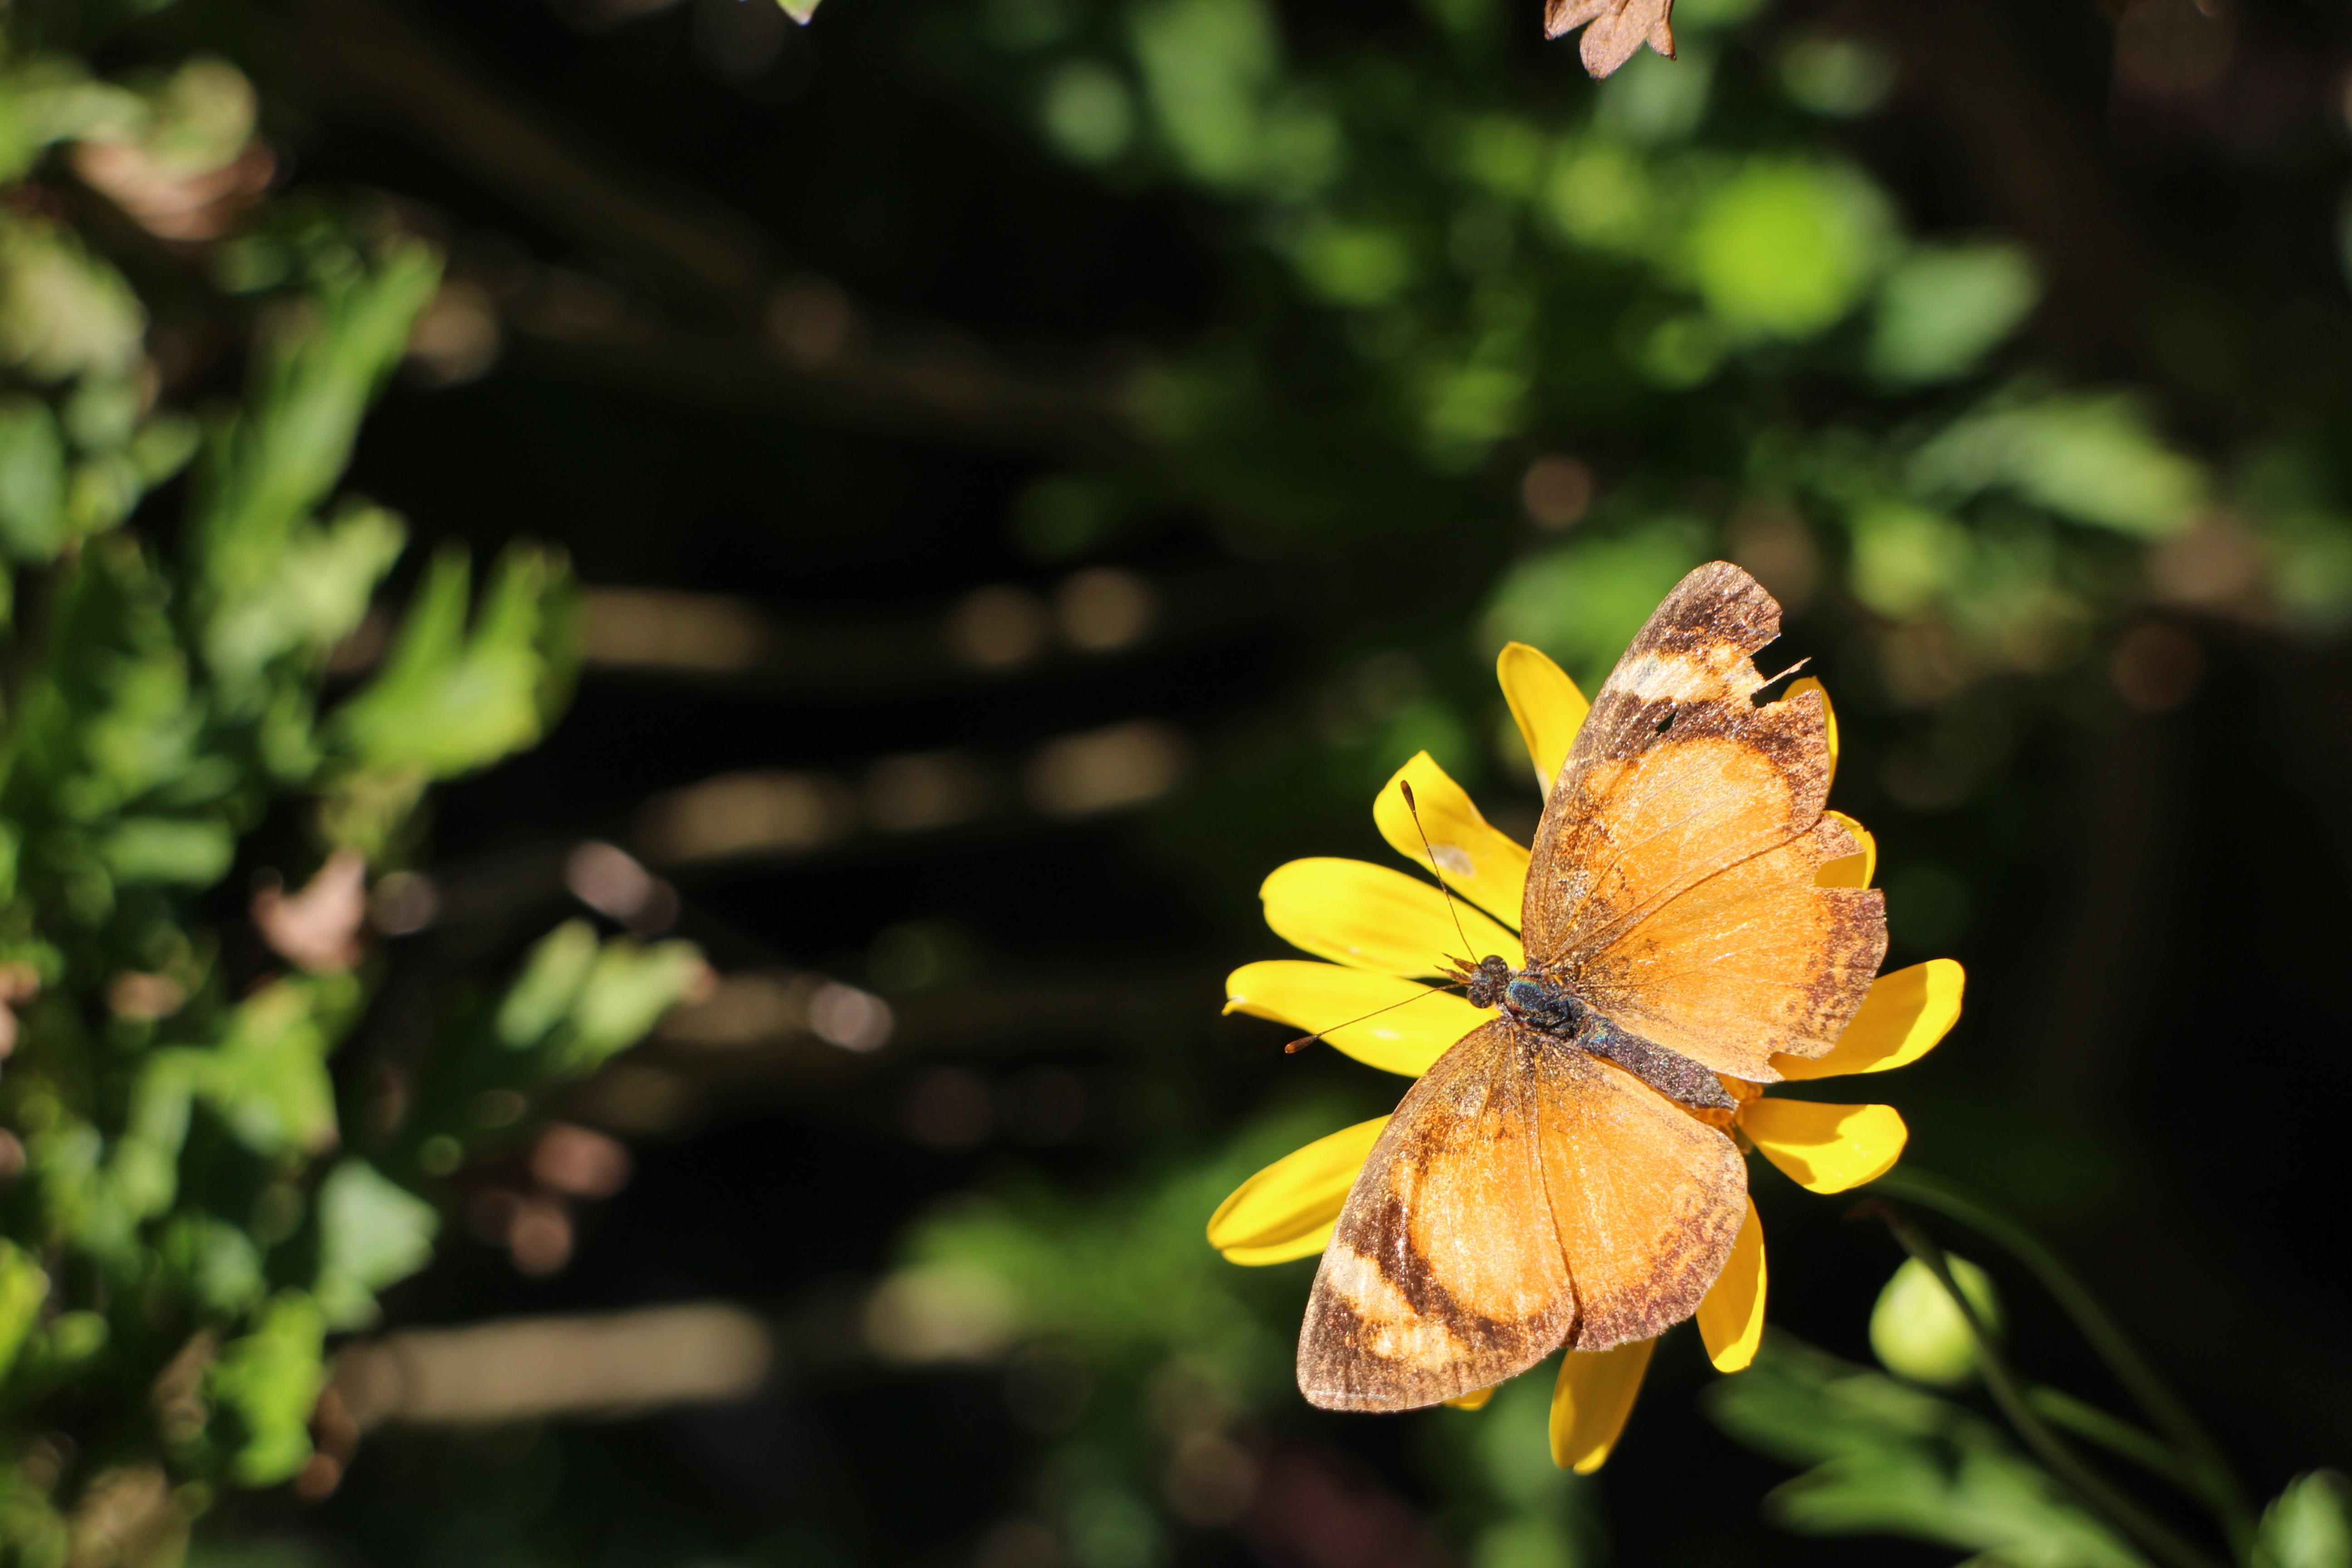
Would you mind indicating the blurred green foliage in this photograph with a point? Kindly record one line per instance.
(1888, 1459)
(1429, 272)
(1181, 1359)
(1684, 304)
(1676, 272)
(195, 1197)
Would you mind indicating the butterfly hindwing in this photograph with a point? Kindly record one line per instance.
(1646, 1198)
(1445, 1274)
(1673, 879)
(1525, 1195)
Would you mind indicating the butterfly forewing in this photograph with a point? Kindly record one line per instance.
(1672, 884)
(1445, 1274)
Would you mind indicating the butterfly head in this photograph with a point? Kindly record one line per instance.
(1534, 1000)
(1483, 986)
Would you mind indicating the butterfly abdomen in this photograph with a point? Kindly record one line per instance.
(1536, 1002)
(1671, 1074)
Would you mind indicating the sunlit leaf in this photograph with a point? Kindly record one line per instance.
(1941, 309)
(2097, 459)
(372, 1233)
(265, 1385)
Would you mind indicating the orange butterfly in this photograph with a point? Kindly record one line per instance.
(1562, 1176)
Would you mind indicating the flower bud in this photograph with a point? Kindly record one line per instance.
(1919, 1332)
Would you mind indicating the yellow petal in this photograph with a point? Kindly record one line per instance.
(1829, 714)
(1481, 863)
(1477, 1401)
(1900, 1021)
(1731, 1315)
(1369, 917)
(1850, 871)
(1546, 702)
(1287, 1210)
(1590, 1401)
(1321, 997)
(1826, 1148)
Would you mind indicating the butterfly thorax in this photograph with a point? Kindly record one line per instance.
(1545, 1004)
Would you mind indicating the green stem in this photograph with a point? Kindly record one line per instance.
(2112, 1432)
(2159, 1538)
(2209, 1475)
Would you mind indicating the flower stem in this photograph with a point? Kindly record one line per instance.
(2114, 1434)
(2209, 1476)
(2167, 1545)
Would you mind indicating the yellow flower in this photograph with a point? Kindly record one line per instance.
(1382, 929)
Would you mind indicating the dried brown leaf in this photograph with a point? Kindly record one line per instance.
(1613, 29)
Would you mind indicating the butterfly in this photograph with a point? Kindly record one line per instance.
(1563, 1175)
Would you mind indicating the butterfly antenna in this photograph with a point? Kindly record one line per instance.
(1303, 1041)
(1414, 806)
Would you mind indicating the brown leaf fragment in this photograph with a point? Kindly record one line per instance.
(1617, 29)
(318, 928)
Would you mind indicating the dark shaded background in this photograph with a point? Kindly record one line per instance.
(2147, 901)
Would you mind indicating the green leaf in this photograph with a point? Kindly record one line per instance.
(50, 99)
(268, 1077)
(445, 703)
(1944, 308)
(68, 1343)
(23, 1287)
(373, 1233)
(264, 1386)
(32, 480)
(142, 1169)
(1783, 250)
(63, 312)
(625, 996)
(541, 996)
(220, 1261)
(191, 852)
(109, 716)
(1579, 604)
(1906, 557)
(199, 119)
(577, 1003)
(314, 595)
(271, 466)
(2094, 458)
(1207, 68)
